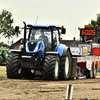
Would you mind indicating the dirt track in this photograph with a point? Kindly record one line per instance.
(39, 89)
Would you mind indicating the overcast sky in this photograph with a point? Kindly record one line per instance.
(70, 13)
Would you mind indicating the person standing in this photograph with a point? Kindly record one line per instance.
(86, 40)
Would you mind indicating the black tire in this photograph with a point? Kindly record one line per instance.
(13, 66)
(95, 70)
(26, 73)
(1, 60)
(65, 65)
(89, 73)
(76, 74)
(51, 67)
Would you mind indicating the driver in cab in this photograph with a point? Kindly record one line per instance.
(43, 37)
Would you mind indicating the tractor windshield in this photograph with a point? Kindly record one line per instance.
(41, 34)
(50, 42)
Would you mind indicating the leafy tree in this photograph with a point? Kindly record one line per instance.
(6, 28)
(4, 45)
(94, 23)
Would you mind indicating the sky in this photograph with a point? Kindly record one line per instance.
(70, 13)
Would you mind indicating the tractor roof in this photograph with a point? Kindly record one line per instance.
(43, 26)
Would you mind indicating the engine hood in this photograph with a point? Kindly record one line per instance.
(34, 46)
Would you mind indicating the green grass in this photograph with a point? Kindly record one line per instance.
(2, 72)
(3, 67)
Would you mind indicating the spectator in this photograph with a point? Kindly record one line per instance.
(86, 40)
(74, 41)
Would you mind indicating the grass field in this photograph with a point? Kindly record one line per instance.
(2, 69)
(2, 72)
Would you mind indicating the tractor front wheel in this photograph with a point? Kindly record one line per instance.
(13, 66)
(51, 67)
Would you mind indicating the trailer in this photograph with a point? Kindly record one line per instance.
(86, 56)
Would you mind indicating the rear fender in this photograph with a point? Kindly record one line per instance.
(62, 49)
(65, 51)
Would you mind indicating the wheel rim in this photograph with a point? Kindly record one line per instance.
(56, 69)
(66, 65)
(19, 70)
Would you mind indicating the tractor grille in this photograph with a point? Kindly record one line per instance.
(31, 45)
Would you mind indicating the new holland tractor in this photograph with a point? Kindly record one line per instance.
(42, 51)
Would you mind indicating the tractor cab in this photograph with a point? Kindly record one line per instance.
(46, 36)
(42, 41)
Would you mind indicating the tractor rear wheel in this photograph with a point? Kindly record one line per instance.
(51, 67)
(1, 60)
(12, 66)
(65, 65)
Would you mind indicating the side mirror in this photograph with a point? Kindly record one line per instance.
(63, 31)
(16, 28)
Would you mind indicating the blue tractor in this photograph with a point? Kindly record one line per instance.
(42, 51)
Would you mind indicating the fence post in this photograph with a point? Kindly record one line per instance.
(69, 92)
